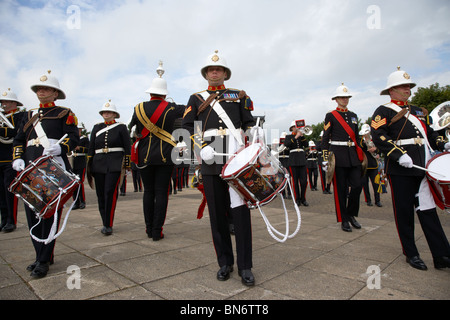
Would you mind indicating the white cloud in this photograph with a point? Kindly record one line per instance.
(289, 56)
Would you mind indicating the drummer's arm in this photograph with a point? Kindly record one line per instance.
(71, 129)
(188, 123)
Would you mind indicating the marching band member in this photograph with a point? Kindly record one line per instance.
(152, 152)
(108, 155)
(214, 118)
(283, 156)
(79, 168)
(322, 173)
(402, 132)
(372, 156)
(297, 143)
(38, 133)
(340, 135)
(312, 165)
(8, 202)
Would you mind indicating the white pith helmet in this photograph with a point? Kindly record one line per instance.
(159, 85)
(108, 106)
(10, 96)
(311, 144)
(47, 80)
(397, 78)
(275, 141)
(216, 60)
(283, 134)
(292, 125)
(341, 91)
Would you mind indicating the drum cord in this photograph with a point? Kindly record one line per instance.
(52, 234)
(282, 237)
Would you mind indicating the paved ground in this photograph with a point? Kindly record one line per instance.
(320, 263)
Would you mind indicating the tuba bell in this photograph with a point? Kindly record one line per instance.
(441, 118)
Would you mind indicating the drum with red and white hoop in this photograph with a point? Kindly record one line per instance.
(44, 186)
(255, 174)
(439, 179)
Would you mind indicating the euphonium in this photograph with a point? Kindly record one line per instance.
(306, 130)
(365, 133)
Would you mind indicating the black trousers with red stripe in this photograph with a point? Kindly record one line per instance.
(107, 190)
(299, 178)
(347, 189)
(156, 180)
(218, 200)
(404, 201)
(8, 202)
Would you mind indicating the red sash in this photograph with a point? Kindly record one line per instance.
(153, 119)
(351, 133)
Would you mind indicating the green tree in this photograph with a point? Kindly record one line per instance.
(429, 98)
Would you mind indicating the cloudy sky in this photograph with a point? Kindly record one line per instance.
(288, 55)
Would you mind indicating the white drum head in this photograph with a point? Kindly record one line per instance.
(242, 159)
(441, 165)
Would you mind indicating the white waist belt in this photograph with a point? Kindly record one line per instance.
(296, 150)
(404, 142)
(343, 143)
(107, 150)
(36, 142)
(78, 154)
(217, 132)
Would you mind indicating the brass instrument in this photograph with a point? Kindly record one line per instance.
(441, 118)
(306, 130)
(365, 133)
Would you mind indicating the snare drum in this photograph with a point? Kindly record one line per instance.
(44, 186)
(440, 182)
(255, 174)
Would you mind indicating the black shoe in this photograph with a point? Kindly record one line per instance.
(158, 238)
(9, 227)
(82, 205)
(369, 203)
(32, 266)
(2, 226)
(355, 223)
(346, 227)
(40, 270)
(76, 206)
(378, 204)
(416, 262)
(247, 277)
(305, 203)
(224, 273)
(107, 231)
(441, 262)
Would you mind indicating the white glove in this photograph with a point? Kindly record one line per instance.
(405, 161)
(18, 164)
(447, 146)
(54, 150)
(325, 166)
(207, 153)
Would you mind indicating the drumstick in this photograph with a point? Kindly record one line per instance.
(62, 139)
(424, 169)
(256, 125)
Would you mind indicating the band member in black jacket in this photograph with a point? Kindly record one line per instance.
(38, 134)
(402, 132)
(79, 156)
(152, 152)
(211, 134)
(8, 202)
(297, 145)
(348, 157)
(108, 158)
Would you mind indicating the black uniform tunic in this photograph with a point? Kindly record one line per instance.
(106, 165)
(347, 171)
(238, 108)
(405, 182)
(56, 122)
(8, 202)
(155, 162)
(297, 165)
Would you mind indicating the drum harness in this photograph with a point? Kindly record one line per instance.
(424, 190)
(225, 118)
